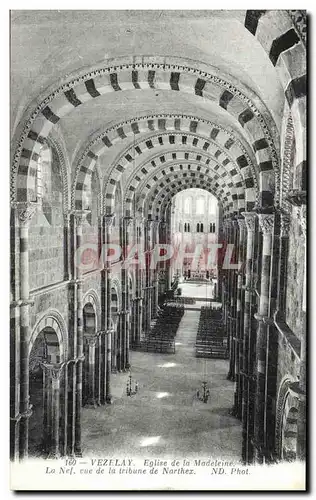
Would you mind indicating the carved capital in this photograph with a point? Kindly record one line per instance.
(53, 371)
(25, 212)
(250, 221)
(241, 223)
(108, 220)
(80, 216)
(266, 222)
(66, 217)
(91, 340)
(285, 222)
(128, 221)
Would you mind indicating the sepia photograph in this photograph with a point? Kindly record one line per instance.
(158, 191)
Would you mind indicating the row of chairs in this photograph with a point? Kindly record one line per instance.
(161, 336)
(211, 340)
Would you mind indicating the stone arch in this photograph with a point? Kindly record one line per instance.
(158, 206)
(240, 165)
(200, 136)
(282, 34)
(132, 282)
(284, 405)
(172, 171)
(92, 297)
(110, 78)
(173, 123)
(56, 142)
(287, 168)
(54, 320)
(116, 284)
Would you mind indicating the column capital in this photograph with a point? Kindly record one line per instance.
(25, 212)
(108, 220)
(266, 222)
(285, 222)
(241, 223)
(250, 220)
(66, 217)
(80, 216)
(127, 221)
(296, 197)
(91, 339)
(53, 370)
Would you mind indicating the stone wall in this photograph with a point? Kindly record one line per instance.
(295, 278)
(46, 233)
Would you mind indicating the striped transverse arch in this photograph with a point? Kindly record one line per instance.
(239, 167)
(218, 177)
(166, 193)
(180, 78)
(167, 190)
(282, 35)
(154, 189)
(203, 134)
(149, 173)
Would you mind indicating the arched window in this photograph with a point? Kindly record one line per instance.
(200, 206)
(185, 227)
(188, 227)
(188, 205)
(212, 227)
(49, 185)
(202, 228)
(198, 227)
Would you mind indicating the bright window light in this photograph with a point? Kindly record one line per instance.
(168, 365)
(150, 441)
(161, 395)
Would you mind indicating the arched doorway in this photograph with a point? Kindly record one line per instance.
(288, 448)
(46, 393)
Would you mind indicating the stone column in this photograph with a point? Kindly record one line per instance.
(301, 390)
(125, 332)
(250, 221)
(79, 216)
(148, 285)
(138, 321)
(91, 341)
(233, 303)
(239, 321)
(155, 271)
(25, 212)
(226, 281)
(108, 223)
(51, 385)
(266, 222)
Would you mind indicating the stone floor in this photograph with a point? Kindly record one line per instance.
(165, 419)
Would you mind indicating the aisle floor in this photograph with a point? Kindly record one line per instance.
(165, 419)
